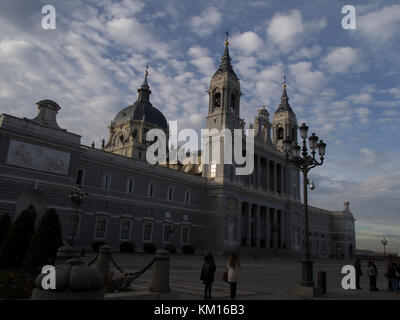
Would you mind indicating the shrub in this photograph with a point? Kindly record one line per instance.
(17, 241)
(5, 225)
(45, 243)
(96, 245)
(127, 247)
(149, 248)
(188, 249)
(170, 248)
(15, 284)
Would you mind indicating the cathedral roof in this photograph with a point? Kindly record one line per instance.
(142, 109)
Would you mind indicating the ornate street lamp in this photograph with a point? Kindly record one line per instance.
(305, 162)
(384, 243)
(77, 197)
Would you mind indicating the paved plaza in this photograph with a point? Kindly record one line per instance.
(263, 278)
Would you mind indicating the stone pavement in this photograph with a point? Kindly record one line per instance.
(264, 278)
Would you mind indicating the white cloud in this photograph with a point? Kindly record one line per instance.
(201, 59)
(287, 31)
(247, 42)
(341, 60)
(307, 81)
(206, 22)
(380, 25)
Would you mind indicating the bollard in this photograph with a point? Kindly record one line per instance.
(103, 262)
(160, 280)
(65, 253)
(321, 282)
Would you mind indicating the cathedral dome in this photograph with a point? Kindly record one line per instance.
(142, 109)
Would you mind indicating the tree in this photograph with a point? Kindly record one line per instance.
(5, 225)
(45, 243)
(16, 243)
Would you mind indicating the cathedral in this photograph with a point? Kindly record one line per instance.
(203, 205)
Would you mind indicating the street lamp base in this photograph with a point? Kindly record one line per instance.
(307, 273)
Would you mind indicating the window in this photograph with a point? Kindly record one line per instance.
(151, 190)
(170, 194)
(126, 226)
(187, 197)
(106, 181)
(130, 186)
(167, 232)
(147, 231)
(185, 234)
(79, 177)
(185, 216)
(217, 100)
(279, 133)
(101, 227)
(233, 100)
(213, 170)
(168, 214)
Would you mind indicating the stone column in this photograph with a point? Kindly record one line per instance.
(258, 227)
(275, 230)
(239, 223)
(248, 224)
(268, 228)
(283, 229)
(282, 179)
(275, 176)
(258, 172)
(160, 280)
(267, 174)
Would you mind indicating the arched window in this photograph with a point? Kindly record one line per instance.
(217, 100)
(294, 134)
(233, 101)
(279, 133)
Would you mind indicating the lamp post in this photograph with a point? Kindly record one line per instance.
(384, 243)
(77, 197)
(305, 162)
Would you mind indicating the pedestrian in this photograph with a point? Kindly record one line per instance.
(233, 267)
(207, 274)
(392, 272)
(357, 266)
(372, 274)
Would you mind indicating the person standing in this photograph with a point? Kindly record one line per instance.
(372, 274)
(357, 266)
(207, 274)
(233, 267)
(392, 273)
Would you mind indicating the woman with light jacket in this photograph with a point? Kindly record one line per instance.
(233, 267)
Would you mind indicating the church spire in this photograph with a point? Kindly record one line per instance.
(284, 105)
(144, 90)
(225, 65)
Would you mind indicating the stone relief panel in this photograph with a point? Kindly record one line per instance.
(31, 156)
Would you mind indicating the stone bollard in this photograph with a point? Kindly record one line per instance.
(66, 253)
(160, 280)
(103, 262)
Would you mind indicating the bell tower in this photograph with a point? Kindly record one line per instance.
(284, 124)
(223, 113)
(224, 96)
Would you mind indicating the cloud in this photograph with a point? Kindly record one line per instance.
(341, 60)
(287, 31)
(206, 22)
(307, 80)
(247, 42)
(200, 59)
(380, 25)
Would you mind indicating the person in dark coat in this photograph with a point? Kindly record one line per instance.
(372, 274)
(391, 274)
(207, 274)
(357, 266)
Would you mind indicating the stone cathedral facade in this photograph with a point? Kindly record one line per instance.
(203, 205)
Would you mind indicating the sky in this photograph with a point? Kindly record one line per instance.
(344, 83)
